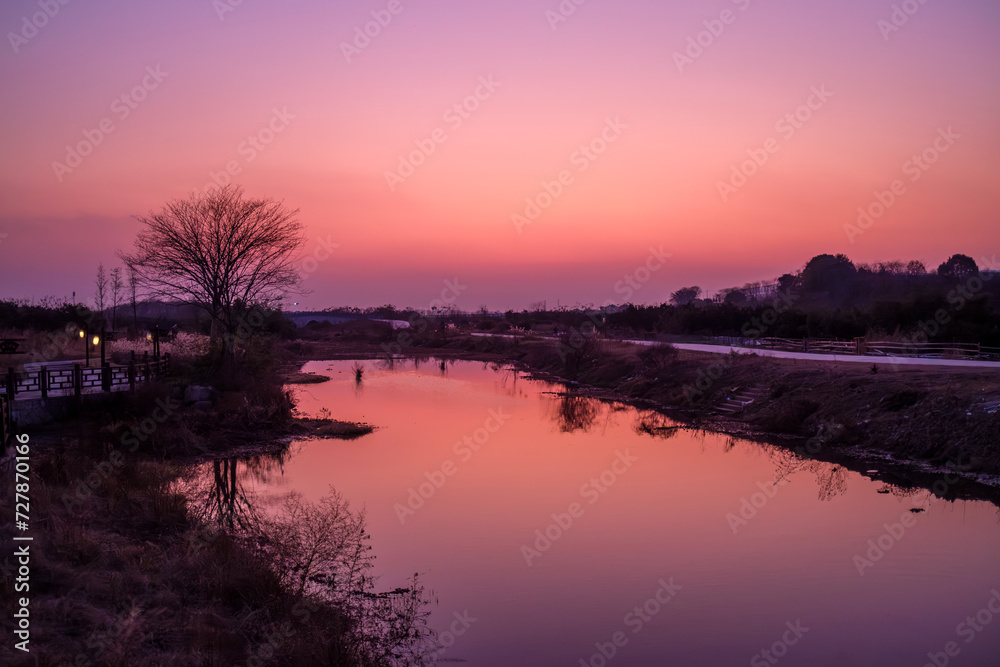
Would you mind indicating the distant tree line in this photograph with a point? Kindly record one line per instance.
(831, 297)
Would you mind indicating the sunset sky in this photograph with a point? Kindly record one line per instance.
(112, 108)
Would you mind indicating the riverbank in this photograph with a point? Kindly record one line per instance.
(908, 424)
(126, 566)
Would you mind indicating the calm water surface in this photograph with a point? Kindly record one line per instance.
(563, 526)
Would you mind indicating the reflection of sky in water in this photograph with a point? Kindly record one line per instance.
(670, 514)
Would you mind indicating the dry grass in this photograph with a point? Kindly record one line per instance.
(122, 573)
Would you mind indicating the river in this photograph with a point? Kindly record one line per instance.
(560, 530)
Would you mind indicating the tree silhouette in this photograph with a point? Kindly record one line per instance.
(958, 267)
(825, 273)
(685, 295)
(222, 252)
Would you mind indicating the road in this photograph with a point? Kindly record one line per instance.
(852, 358)
(809, 356)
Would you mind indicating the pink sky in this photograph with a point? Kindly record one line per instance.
(337, 126)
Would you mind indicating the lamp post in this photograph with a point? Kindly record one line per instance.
(156, 342)
(86, 345)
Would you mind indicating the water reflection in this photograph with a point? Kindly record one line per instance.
(218, 492)
(467, 518)
(318, 550)
(575, 413)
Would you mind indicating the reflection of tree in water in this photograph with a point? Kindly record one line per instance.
(220, 492)
(508, 379)
(575, 413)
(319, 550)
(900, 492)
(831, 478)
(652, 423)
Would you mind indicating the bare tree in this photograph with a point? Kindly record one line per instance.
(222, 252)
(102, 288)
(116, 290)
